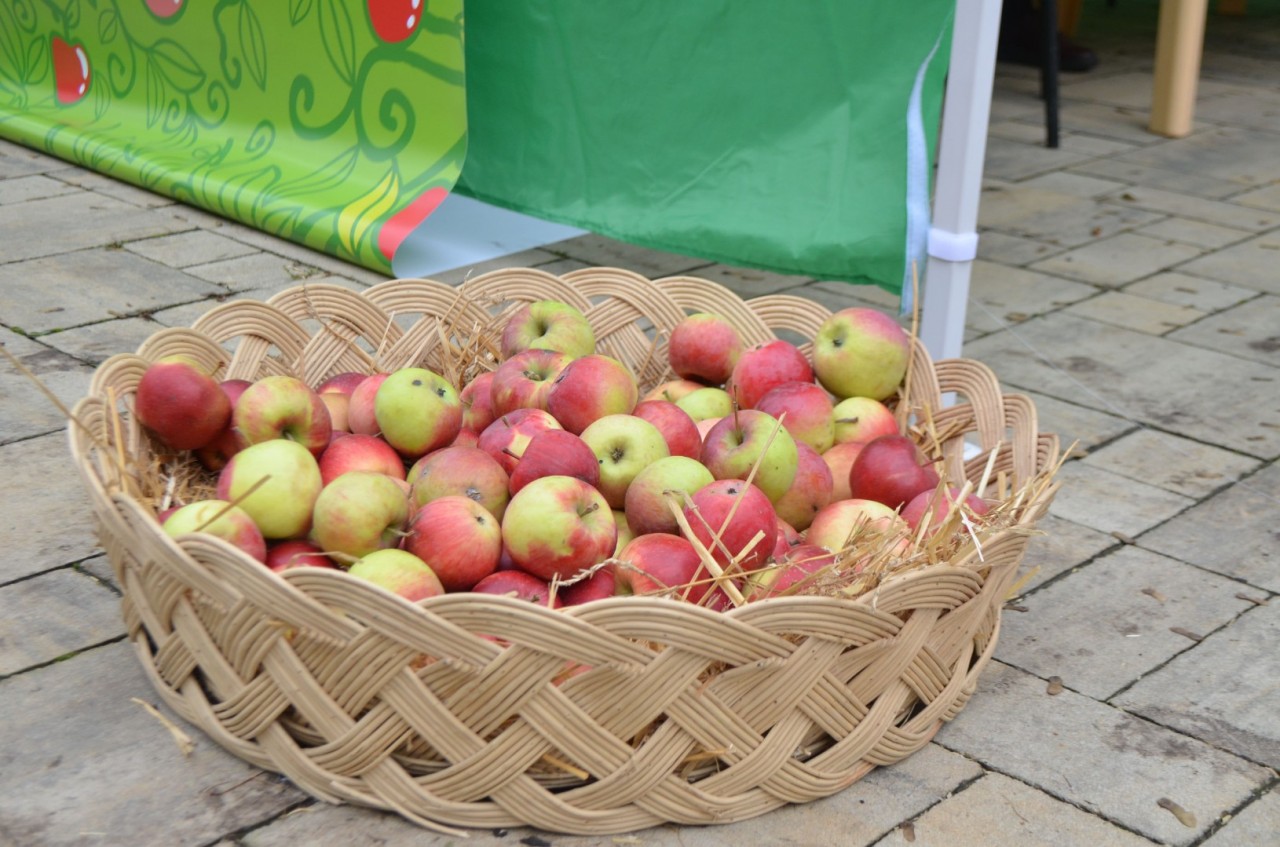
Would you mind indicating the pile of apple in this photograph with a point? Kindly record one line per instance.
(551, 479)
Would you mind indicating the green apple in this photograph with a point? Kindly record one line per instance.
(647, 501)
(359, 512)
(557, 526)
(400, 573)
(287, 480)
(861, 352)
(735, 445)
(624, 445)
(417, 411)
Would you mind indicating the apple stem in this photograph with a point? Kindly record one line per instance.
(592, 508)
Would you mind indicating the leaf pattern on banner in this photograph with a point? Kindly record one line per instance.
(253, 45)
(360, 214)
(338, 36)
(298, 10)
(108, 25)
(176, 65)
(38, 63)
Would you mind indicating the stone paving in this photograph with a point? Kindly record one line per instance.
(1128, 283)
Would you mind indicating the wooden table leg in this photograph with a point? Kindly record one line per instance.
(1179, 45)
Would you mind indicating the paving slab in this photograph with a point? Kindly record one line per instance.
(16, 160)
(24, 410)
(1000, 295)
(53, 615)
(858, 815)
(1170, 178)
(1015, 160)
(1008, 249)
(1117, 260)
(75, 221)
(1073, 423)
(1251, 264)
(1138, 313)
(600, 251)
(1250, 331)
(1059, 546)
(1257, 823)
(1181, 205)
(841, 295)
(1172, 463)
(1235, 154)
(1106, 624)
(187, 314)
(1260, 198)
(98, 568)
(1119, 123)
(45, 518)
(256, 271)
(71, 289)
(1195, 233)
(751, 282)
(1252, 108)
(1223, 691)
(97, 342)
(1110, 502)
(1179, 289)
(1162, 383)
(34, 187)
(1071, 224)
(81, 763)
(998, 809)
(1097, 757)
(1078, 185)
(105, 185)
(185, 249)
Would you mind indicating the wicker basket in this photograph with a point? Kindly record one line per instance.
(686, 715)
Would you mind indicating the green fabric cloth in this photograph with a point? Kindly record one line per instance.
(760, 133)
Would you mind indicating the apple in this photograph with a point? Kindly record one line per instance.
(752, 439)
(466, 438)
(809, 491)
(462, 471)
(678, 429)
(548, 325)
(661, 564)
(672, 391)
(524, 381)
(417, 411)
(507, 437)
(215, 455)
(71, 73)
(277, 483)
(891, 470)
(218, 517)
(517, 584)
(477, 403)
(624, 531)
(859, 352)
(336, 393)
(706, 403)
(762, 367)
(298, 553)
(361, 416)
(703, 428)
(395, 20)
(808, 412)
(458, 539)
(734, 521)
(399, 572)
(704, 347)
(788, 537)
(359, 512)
(647, 503)
(603, 583)
(624, 445)
(281, 406)
(791, 574)
(590, 388)
(928, 502)
(557, 526)
(843, 521)
(839, 459)
(861, 419)
(359, 453)
(180, 404)
(555, 453)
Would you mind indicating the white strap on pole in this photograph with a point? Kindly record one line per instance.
(953, 246)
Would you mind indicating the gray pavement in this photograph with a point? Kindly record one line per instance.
(1129, 283)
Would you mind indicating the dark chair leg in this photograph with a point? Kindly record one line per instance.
(1049, 69)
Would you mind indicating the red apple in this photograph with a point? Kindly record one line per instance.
(928, 502)
(752, 439)
(507, 437)
(548, 325)
(861, 352)
(164, 8)
(861, 419)
(677, 428)
(589, 389)
(844, 521)
(704, 347)
(360, 512)
(395, 20)
(399, 572)
(672, 391)
(417, 411)
(461, 471)
(298, 553)
(839, 459)
(603, 583)
(557, 526)
(734, 521)
(466, 438)
(361, 416)
(624, 445)
(517, 584)
(788, 537)
(808, 412)
(180, 404)
(890, 470)
(524, 381)
(660, 564)
(359, 453)
(71, 74)
(215, 455)
(555, 453)
(809, 491)
(647, 503)
(282, 406)
(218, 517)
(763, 367)
(457, 539)
(704, 427)
(335, 392)
(277, 483)
(792, 574)
(477, 403)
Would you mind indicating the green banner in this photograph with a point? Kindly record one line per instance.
(337, 124)
(778, 135)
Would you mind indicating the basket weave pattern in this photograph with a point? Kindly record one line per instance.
(675, 713)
